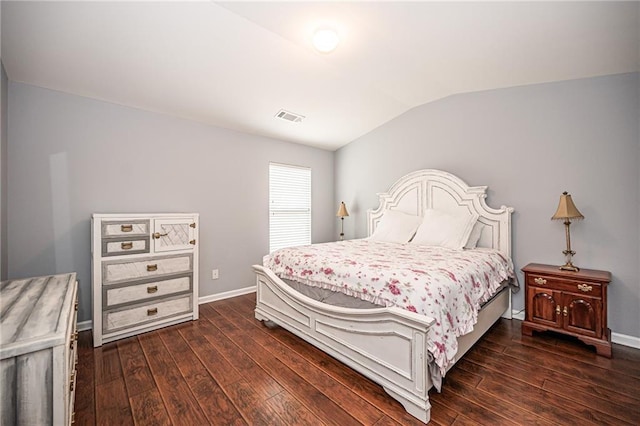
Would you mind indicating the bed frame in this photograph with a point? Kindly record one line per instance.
(388, 345)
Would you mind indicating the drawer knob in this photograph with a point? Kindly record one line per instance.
(565, 311)
(75, 305)
(152, 312)
(126, 228)
(557, 309)
(152, 289)
(540, 281)
(584, 287)
(157, 235)
(192, 242)
(126, 246)
(72, 381)
(151, 268)
(74, 338)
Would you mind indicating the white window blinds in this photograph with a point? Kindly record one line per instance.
(289, 206)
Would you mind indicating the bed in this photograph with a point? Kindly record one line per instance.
(389, 344)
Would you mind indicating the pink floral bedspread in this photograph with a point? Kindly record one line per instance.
(444, 284)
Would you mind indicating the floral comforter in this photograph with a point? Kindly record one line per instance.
(444, 284)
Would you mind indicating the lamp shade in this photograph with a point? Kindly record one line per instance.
(342, 211)
(566, 209)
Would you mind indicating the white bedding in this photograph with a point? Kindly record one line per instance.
(444, 284)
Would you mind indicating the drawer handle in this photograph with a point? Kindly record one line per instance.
(74, 338)
(157, 235)
(557, 309)
(152, 312)
(126, 246)
(71, 381)
(151, 268)
(565, 311)
(126, 228)
(584, 287)
(540, 281)
(192, 242)
(152, 289)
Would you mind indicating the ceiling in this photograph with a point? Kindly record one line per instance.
(236, 64)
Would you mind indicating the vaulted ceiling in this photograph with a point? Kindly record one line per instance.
(235, 64)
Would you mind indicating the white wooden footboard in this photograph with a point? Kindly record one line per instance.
(388, 345)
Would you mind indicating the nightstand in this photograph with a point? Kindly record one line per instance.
(573, 303)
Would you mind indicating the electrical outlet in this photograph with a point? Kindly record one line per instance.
(214, 274)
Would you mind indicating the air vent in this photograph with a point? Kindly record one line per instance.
(289, 116)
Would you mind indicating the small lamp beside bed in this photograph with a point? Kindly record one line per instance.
(342, 213)
(567, 211)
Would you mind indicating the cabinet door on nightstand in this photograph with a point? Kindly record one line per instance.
(173, 234)
(542, 306)
(583, 315)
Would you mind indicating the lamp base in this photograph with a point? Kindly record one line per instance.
(569, 267)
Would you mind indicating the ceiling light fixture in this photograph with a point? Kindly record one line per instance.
(325, 40)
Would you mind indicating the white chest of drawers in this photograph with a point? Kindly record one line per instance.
(145, 272)
(38, 348)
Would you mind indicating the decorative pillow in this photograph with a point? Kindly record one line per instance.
(396, 227)
(474, 236)
(444, 229)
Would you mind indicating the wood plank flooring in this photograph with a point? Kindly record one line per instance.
(229, 369)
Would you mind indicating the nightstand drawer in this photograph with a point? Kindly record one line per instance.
(554, 283)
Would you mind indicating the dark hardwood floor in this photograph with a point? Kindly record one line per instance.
(227, 368)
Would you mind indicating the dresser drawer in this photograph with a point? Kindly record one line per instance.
(126, 270)
(124, 246)
(141, 292)
(589, 288)
(137, 315)
(120, 228)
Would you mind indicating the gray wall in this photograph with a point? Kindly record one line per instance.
(73, 156)
(528, 144)
(3, 172)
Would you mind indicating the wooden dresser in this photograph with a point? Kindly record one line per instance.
(573, 303)
(144, 271)
(38, 344)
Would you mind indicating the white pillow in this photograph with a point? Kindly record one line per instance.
(396, 227)
(474, 236)
(444, 229)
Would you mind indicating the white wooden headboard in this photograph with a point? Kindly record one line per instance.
(435, 189)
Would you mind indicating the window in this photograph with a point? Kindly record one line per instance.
(289, 206)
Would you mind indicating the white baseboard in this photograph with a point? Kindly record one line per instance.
(226, 295)
(620, 339)
(623, 339)
(88, 324)
(85, 325)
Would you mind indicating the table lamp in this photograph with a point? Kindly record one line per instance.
(342, 213)
(567, 211)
